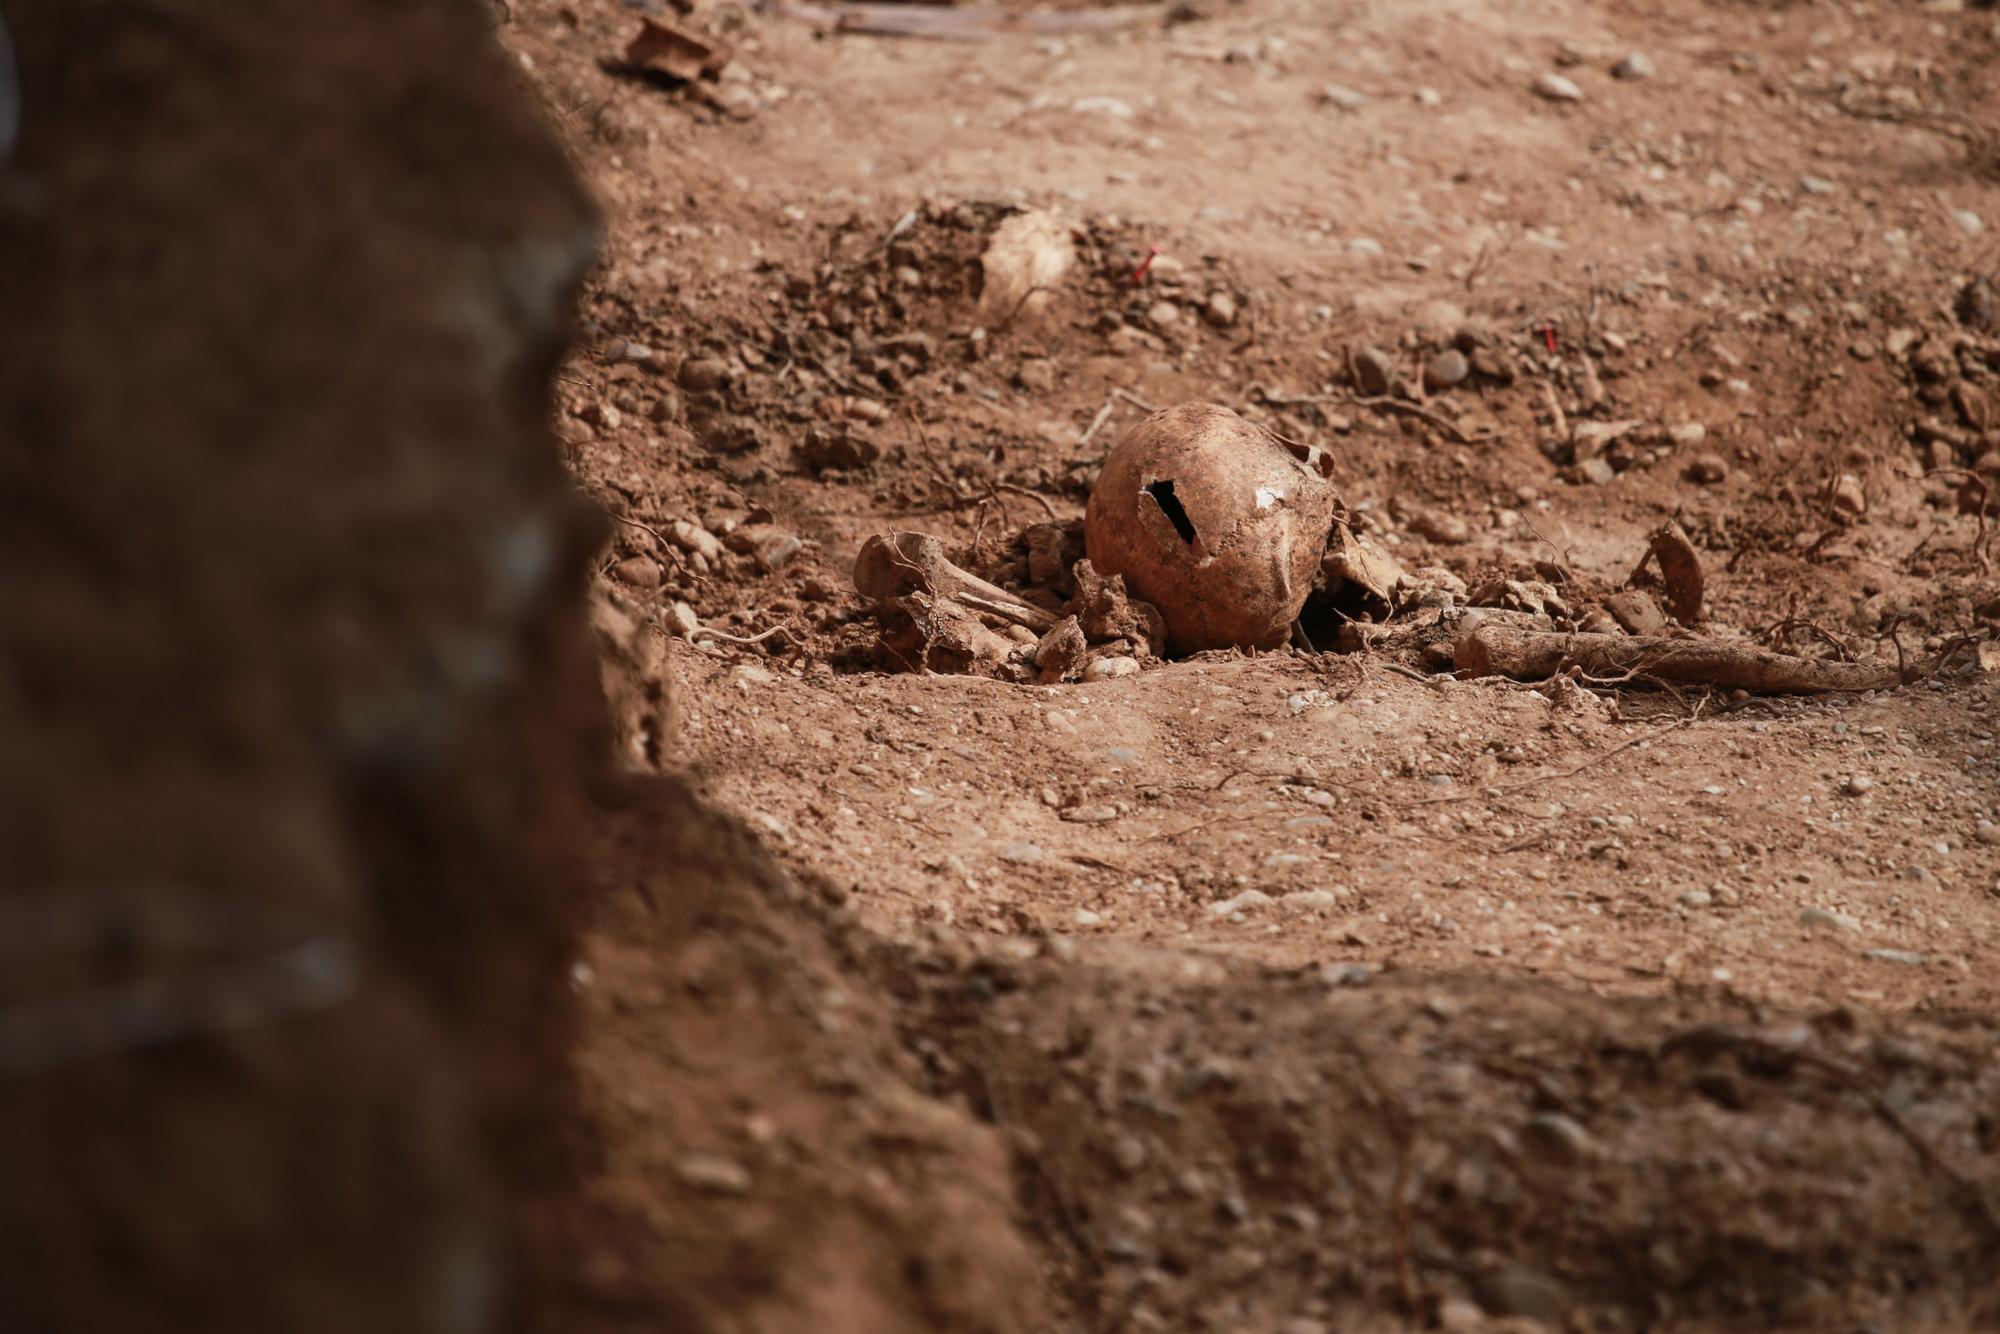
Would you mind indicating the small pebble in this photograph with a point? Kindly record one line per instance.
(1341, 96)
(1597, 471)
(1987, 833)
(1818, 917)
(703, 375)
(638, 571)
(1105, 669)
(1556, 88)
(1708, 469)
(1697, 898)
(1446, 369)
(1220, 312)
(1895, 956)
(713, 1174)
(1458, 1315)
(1374, 372)
(1345, 974)
(1856, 785)
(1090, 814)
(1022, 854)
(777, 552)
(1634, 65)
(1557, 1137)
(1037, 375)
(1244, 902)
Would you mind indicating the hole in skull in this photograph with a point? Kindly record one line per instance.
(1162, 493)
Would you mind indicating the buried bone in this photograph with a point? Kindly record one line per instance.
(895, 565)
(1485, 647)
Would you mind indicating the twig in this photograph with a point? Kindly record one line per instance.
(710, 632)
(1200, 825)
(924, 439)
(1111, 401)
(1006, 323)
(1103, 415)
(1035, 496)
(992, 488)
(1779, 631)
(667, 548)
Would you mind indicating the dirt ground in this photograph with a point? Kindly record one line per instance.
(1295, 990)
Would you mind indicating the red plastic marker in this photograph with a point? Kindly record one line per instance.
(1139, 274)
(1549, 336)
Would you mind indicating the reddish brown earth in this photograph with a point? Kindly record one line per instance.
(1702, 933)
(1287, 991)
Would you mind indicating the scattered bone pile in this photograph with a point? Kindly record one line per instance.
(1207, 531)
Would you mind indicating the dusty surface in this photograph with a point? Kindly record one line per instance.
(1242, 951)
(1276, 971)
(1289, 991)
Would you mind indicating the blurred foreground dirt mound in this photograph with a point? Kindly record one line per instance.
(301, 711)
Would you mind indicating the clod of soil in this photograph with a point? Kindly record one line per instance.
(1215, 521)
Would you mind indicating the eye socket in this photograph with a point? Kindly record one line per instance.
(1163, 495)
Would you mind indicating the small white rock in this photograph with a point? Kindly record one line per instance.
(1969, 222)
(1556, 88)
(1341, 96)
(1244, 902)
(1818, 917)
(713, 1174)
(1634, 65)
(1105, 669)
